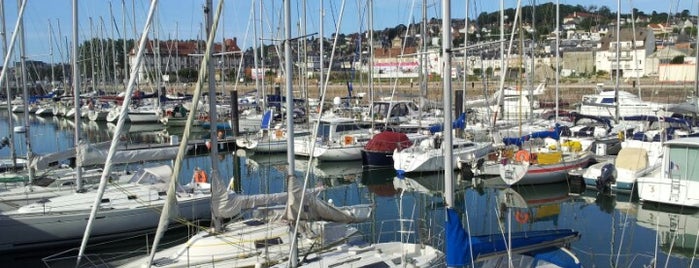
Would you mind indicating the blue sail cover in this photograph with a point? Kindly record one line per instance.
(554, 133)
(266, 119)
(459, 123)
(460, 250)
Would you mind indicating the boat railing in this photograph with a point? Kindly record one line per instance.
(411, 231)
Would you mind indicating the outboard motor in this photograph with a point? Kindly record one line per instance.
(606, 178)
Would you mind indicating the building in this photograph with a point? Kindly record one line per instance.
(174, 55)
(634, 47)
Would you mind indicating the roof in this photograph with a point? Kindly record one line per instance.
(688, 141)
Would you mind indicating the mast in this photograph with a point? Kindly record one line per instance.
(25, 92)
(213, 116)
(558, 44)
(501, 98)
(321, 69)
(255, 60)
(618, 68)
(53, 74)
(446, 102)
(7, 53)
(423, 60)
(371, 62)
(532, 68)
(289, 108)
(76, 96)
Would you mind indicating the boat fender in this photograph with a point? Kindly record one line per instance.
(620, 135)
(606, 178)
(522, 217)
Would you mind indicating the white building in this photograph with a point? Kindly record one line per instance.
(634, 47)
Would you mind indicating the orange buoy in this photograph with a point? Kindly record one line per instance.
(522, 156)
(522, 217)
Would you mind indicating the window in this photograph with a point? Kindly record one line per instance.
(682, 163)
(268, 242)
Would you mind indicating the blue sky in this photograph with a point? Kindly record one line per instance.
(182, 19)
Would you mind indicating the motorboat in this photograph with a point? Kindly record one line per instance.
(676, 182)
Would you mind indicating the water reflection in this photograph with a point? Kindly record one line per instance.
(534, 203)
(677, 228)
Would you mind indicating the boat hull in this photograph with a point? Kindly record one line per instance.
(525, 173)
(377, 158)
(22, 232)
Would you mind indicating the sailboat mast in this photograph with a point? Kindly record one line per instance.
(254, 52)
(501, 98)
(76, 95)
(558, 56)
(618, 68)
(423, 60)
(8, 94)
(53, 74)
(370, 3)
(321, 57)
(213, 116)
(289, 108)
(25, 92)
(446, 99)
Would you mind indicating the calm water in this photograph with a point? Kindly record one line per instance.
(616, 230)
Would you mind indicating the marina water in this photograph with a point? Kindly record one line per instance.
(617, 231)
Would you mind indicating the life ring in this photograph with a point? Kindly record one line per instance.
(200, 176)
(349, 140)
(522, 156)
(522, 217)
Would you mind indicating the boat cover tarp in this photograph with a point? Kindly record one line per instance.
(578, 116)
(459, 123)
(96, 154)
(554, 133)
(267, 119)
(633, 159)
(460, 250)
(387, 141)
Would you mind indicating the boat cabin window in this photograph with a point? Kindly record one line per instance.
(380, 109)
(263, 243)
(377, 265)
(608, 100)
(682, 163)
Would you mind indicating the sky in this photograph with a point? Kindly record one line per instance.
(183, 19)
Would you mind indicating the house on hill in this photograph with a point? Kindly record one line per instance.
(633, 46)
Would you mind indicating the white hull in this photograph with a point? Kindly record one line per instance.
(237, 245)
(37, 230)
(376, 255)
(143, 117)
(421, 159)
(526, 173)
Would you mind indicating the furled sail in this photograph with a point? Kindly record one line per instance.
(318, 209)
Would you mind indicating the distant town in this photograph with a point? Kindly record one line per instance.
(654, 45)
